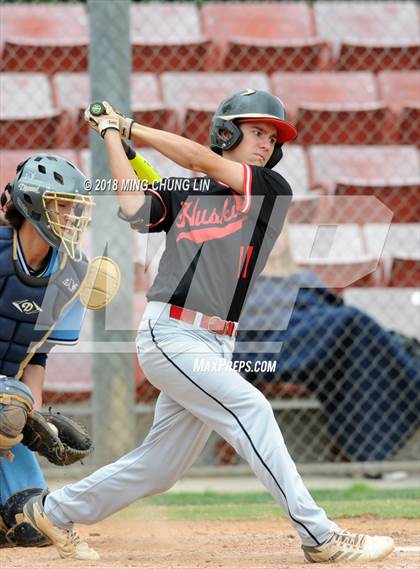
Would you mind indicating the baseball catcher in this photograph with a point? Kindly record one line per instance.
(46, 283)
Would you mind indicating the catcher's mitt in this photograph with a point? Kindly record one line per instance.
(100, 284)
(61, 439)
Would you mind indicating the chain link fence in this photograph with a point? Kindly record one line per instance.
(331, 332)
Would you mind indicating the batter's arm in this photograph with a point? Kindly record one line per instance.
(122, 171)
(190, 154)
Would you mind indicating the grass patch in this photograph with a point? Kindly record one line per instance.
(359, 500)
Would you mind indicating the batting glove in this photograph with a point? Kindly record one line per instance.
(102, 116)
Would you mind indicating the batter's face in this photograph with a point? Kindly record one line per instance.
(257, 144)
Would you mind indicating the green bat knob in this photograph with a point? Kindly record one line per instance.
(97, 109)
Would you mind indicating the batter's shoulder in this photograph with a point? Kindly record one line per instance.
(269, 182)
(286, 189)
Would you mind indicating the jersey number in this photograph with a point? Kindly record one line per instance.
(243, 266)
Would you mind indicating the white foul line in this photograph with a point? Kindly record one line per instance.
(414, 549)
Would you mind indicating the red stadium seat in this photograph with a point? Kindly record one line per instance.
(62, 383)
(403, 201)
(373, 164)
(263, 36)
(401, 92)
(333, 108)
(405, 272)
(342, 254)
(370, 35)
(9, 159)
(410, 117)
(73, 94)
(197, 95)
(166, 37)
(28, 117)
(341, 274)
(304, 209)
(395, 240)
(147, 104)
(294, 167)
(391, 173)
(316, 243)
(44, 38)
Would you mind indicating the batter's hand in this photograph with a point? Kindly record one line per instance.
(102, 116)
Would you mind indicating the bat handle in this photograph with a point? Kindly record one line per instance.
(97, 109)
(129, 150)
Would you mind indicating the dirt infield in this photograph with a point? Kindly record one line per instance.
(256, 544)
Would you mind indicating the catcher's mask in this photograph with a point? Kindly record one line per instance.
(50, 192)
(250, 106)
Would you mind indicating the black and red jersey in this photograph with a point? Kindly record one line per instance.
(217, 241)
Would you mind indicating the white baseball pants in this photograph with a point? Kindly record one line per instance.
(191, 404)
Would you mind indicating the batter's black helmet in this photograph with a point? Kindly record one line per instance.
(246, 106)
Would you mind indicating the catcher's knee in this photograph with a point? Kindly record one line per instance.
(16, 402)
(15, 531)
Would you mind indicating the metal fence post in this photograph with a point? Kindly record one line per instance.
(113, 393)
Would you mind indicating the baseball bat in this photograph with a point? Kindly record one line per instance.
(141, 166)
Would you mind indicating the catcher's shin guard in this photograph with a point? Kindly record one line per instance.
(18, 532)
(4, 542)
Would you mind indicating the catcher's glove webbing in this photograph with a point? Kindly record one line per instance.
(16, 403)
(61, 439)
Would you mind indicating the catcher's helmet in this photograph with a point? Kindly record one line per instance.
(247, 106)
(41, 182)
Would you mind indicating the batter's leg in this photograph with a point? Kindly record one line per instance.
(231, 406)
(175, 441)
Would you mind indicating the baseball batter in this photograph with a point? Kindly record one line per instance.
(219, 232)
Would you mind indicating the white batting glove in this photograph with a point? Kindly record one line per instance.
(102, 116)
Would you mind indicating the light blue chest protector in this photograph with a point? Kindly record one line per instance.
(30, 306)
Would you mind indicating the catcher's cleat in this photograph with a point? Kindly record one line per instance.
(346, 546)
(68, 543)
